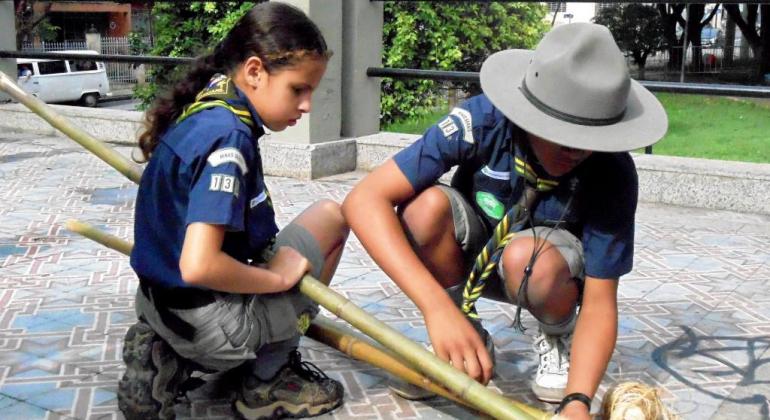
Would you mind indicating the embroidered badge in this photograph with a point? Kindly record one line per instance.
(228, 155)
(467, 123)
(258, 199)
(490, 205)
(224, 183)
(448, 127)
(501, 175)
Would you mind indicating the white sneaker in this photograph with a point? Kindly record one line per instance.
(551, 377)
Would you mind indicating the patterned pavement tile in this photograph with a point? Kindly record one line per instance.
(694, 312)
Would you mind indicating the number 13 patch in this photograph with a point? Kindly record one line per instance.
(224, 183)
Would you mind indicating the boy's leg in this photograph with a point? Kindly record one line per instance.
(551, 294)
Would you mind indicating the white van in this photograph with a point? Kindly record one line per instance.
(64, 80)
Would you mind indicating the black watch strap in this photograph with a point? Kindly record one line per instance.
(579, 396)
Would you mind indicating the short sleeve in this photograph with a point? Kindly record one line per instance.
(608, 232)
(217, 193)
(455, 138)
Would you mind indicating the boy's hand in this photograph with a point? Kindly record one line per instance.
(456, 341)
(290, 265)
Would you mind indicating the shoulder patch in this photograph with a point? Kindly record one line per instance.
(448, 127)
(224, 183)
(228, 155)
(467, 122)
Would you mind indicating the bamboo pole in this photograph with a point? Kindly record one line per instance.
(93, 145)
(458, 383)
(461, 387)
(321, 329)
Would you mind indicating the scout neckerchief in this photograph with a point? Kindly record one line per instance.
(221, 92)
(514, 221)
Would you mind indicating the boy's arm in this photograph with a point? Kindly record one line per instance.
(369, 210)
(593, 342)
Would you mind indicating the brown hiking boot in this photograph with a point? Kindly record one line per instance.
(154, 374)
(299, 389)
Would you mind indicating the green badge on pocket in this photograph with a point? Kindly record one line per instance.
(490, 204)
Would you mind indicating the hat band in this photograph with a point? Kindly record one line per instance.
(564, 116)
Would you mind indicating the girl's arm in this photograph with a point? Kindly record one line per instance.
(203, 263)
(593, 341)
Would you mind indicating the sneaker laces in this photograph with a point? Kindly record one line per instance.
(553, 351)
(304, 369)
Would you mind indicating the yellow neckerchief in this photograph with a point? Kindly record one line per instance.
(220, 91)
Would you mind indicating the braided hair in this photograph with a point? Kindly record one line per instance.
(279, 34)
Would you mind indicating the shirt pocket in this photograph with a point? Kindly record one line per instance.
(491, 192)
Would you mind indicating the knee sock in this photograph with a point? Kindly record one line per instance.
(272, 357)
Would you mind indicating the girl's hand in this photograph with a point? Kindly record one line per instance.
(290, 265)
(456, 341)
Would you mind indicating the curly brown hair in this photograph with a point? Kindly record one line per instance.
(279, 34)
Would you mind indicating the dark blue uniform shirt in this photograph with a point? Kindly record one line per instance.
(206, 169)
(482, 142)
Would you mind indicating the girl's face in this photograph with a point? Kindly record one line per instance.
(557, 160)
(280, 97)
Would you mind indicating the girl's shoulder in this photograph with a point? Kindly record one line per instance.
(207, 131)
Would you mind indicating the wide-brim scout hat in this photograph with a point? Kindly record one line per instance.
(574, 90)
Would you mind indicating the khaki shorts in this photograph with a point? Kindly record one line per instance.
(230, 329)
(471, 235)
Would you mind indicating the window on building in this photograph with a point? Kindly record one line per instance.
(51, 67)
(557, 6)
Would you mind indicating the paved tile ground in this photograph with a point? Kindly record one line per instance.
(695, 312)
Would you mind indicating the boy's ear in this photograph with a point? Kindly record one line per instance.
(252, 70)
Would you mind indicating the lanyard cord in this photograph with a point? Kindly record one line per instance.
(489, 257)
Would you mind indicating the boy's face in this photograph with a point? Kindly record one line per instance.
(557, 160)
(281, 97)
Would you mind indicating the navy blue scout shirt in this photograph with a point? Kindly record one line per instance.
(483, 142)
(205, 169)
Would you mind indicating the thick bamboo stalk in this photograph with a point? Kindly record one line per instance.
(457, 382)
(335, 336)
(358, 347)
(93, 145)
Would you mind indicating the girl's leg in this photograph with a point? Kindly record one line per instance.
(323, 219)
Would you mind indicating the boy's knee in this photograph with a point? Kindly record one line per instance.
(427, 216)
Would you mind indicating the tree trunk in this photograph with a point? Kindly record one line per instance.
(694, 15)
(671, 15)
(764, 63)
(729, 47)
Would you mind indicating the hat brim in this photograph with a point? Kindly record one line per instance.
(644, 122)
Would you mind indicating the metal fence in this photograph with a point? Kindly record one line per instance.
(121, 75)
(713, 60)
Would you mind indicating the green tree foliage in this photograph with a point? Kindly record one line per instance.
(637, 29)
(448, 36)
(187, 29)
